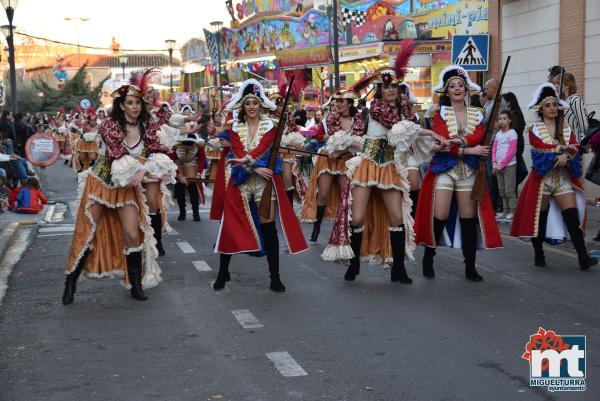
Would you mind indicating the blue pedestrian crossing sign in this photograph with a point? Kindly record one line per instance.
(471, 51)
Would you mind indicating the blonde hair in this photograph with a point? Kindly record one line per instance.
(569, 82)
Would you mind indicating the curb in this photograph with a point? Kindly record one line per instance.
(10, 255)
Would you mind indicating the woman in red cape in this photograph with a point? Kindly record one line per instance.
(551, 205)
(446, 214)
(242, 231)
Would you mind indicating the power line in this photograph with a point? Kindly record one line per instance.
(87, 47)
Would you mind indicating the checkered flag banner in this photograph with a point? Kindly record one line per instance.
(353, 15)
(211, 43)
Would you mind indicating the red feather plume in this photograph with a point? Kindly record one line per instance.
(142, 81)
(362, 83)
(282, 83)
(407, 48)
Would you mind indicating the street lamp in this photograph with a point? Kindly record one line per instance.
(170, 43)
(123, 62)
(216, 29)
(78, 20)
(336, 50)
(9, 7)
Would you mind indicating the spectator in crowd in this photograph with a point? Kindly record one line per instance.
(30, 198)
(504, 158)
(311, 120)
(7, 126)
(553, 72)
(483, 98)
(300, 117)
(363, 109)
(475, 101)
(518, 123)
(23, 131)
(576, 114)
(12, 163)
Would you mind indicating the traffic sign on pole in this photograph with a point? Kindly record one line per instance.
(471, 51)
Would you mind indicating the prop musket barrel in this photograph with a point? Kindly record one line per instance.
(479, 185)
(264, 208)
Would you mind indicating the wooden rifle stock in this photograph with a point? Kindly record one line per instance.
(301, 152)
(479, 185)
(264, 208)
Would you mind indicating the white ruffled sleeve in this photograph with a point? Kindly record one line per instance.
(292, 139)
(403, 134)
(123, 169)
(423, 149)
(167, 135)
(342, 141)
(177, 120)
(161, 165)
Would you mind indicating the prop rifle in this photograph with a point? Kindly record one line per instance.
(301, 152)
(199, 180)
(560, 115)
(264, 208)
(479, 185)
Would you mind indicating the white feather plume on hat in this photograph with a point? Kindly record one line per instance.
(459, 72)
(237, 100)
(546, 89)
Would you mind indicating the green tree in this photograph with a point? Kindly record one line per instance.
(71, 94)
(28, 99)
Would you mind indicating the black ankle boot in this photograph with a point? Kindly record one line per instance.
(468, 232)
(438, 229)
(317, 224)
(356, 234)
(538, 242)
(272, 250)
(71, 280)
(223, 275)
(398, 241)
(179, 192)
(571, 218)
(194, 200)
(414, 196)
(134, 270)
(290, 195)
(156, 221)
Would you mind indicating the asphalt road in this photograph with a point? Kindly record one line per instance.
(323, 339)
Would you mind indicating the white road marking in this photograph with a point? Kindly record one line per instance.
(286, 365)
(185, 247)
(54, 235)
(247, 319)
(201, 266)
(12, 256)
(56, 229)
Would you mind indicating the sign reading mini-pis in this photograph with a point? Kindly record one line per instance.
(316, 56)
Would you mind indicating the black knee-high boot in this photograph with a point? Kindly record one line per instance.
(290, 195)
(317, 224)
(223, 275)
(134, 270)
(194, 200)
(398, 241)
(468, 233)
(414, 196)
(156, 221)
(438, 229)
(571, 218)
(179, 192)
(71, 280)
(538, 242)
(272, 250)
(356, 234)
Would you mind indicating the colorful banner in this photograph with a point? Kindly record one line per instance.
(276, 33)
(375, 20)
(304, 58)
(242, 9)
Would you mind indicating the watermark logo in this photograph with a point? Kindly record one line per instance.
(556, 362)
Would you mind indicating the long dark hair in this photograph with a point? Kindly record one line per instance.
(118, 114)
(379, 95)
(352, 111)
(513, 103)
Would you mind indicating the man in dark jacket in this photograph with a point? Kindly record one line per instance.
(23, 131)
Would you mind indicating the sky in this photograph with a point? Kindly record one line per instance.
(136, 24)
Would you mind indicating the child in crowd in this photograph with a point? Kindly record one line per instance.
(30, 198)
(504, 158)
